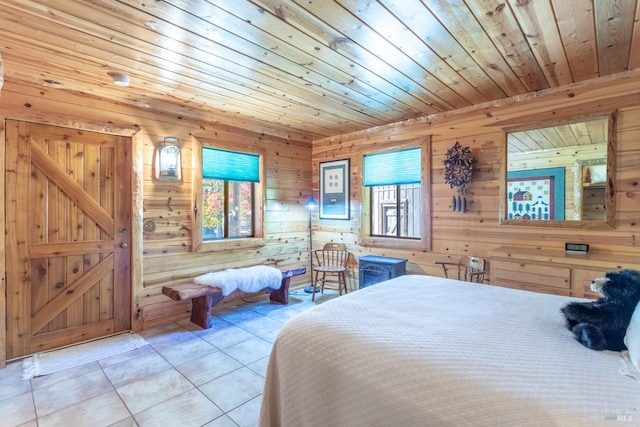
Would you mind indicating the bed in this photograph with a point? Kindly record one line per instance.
(425, 351)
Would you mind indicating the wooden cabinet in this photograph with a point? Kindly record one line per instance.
(522, 274)
(583, 278)
(553, 271)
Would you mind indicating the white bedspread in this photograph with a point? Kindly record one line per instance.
(247, 279)
(425, 351)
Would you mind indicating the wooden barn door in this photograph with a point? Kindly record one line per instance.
(68, 233)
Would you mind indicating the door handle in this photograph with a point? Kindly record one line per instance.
(124, 245)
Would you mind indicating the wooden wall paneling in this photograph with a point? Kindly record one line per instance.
(284, 231)
(3, 283)
(179, 268)
(478, 231)
(32, 103)
(137, 211)
(592, 206)
(163, 254)
(169, 204)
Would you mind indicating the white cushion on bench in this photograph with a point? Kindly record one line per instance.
(248, 279)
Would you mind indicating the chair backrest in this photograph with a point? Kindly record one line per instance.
(331, 257)
(469, 269)
(472, 269)
(335, 246)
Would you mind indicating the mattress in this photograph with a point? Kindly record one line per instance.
(425, 351)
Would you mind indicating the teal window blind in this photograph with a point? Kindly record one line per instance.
(393, 168)
(229, 165)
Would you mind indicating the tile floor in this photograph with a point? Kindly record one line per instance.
(186, 376)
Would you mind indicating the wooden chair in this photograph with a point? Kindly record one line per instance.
(331, 261)
(469, 269)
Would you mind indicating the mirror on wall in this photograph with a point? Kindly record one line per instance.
(561, 175)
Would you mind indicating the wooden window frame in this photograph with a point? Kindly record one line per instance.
(198, 245)
(424, 243)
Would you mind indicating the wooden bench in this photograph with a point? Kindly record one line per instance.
(204, 297)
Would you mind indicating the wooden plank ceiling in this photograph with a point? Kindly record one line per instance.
(585, 132)
(309, 69)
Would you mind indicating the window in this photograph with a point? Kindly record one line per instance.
(394, 179)
(227, 209)
(394, 198)
(228, 199)
(227, 193)
(391, 199)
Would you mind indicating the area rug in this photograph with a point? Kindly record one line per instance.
(69, 357)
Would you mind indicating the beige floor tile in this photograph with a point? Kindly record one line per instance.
(217, 380)
(127, 422)
(269, 337)
(11, 382)
(260, 366)
(223, 421)
(17, 410)
(284, 315)
(209, 367)
(260, 325)
(48, 380)
(171, 338)
(266, 308)
(188, 351)
(247, 414)
(238, 315)
(70, 392)
(127, 357)
(245, 384)
(249, 351)
(188, 409)
(145, 393)
(216, 323)
(133, 370)
(160, 330)
(227, 336)
(101, 410)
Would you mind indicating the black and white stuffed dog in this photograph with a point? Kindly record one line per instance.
(602, 324)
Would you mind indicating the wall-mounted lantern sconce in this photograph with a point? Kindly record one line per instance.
(168, 162)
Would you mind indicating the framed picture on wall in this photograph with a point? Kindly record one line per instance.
(536, 194)
(334, 189)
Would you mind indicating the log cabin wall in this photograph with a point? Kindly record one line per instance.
(164, 255)
(481, 128)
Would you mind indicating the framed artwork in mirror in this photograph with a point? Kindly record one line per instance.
(334, 189)
(536, 194)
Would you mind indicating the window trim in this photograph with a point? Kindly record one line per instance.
(424, 243)
(260, 196)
